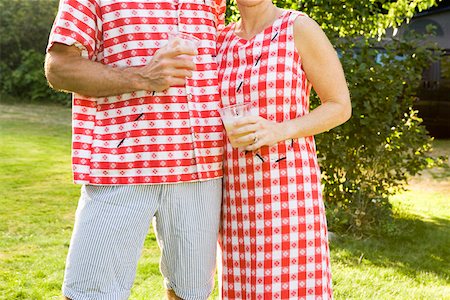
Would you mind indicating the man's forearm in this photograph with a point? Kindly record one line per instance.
(79, 75)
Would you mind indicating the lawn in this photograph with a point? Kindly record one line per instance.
(38, 202)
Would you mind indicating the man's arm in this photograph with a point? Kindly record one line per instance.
(67, 70)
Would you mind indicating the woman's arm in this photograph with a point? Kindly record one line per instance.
(324, 71)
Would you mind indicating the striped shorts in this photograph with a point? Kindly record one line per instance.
(111, 224)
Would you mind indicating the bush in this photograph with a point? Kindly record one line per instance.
(24, 30)
(370, 157)
(28, 82)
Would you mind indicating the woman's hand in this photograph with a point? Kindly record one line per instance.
(253, 132)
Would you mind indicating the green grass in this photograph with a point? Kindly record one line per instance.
(412, 265)
(38, 202)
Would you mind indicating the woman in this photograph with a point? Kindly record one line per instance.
(274, 228)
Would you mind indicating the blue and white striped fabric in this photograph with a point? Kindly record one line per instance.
(110, 228)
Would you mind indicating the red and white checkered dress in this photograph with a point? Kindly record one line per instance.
(274, 227)
(144, 137)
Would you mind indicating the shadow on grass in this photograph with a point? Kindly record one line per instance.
(441, 173)
(420, 246)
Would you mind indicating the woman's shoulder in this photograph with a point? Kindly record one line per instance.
(299, 22)
(295, 15)
(303, 22)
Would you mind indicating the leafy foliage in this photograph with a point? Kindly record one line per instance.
(369, 158)
(28, 81)
(24, 30)
(352, 18)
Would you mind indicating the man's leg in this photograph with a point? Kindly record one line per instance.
(110, 228)
(171, 295)
(187, 225)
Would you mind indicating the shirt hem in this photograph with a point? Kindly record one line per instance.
(84, 182)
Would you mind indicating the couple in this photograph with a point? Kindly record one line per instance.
(148, 143)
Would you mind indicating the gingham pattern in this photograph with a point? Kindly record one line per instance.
(274, 228)
(144, 137)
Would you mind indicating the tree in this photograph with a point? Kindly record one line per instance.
(24, 30)
(352, 18)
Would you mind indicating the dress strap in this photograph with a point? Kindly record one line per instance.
(293, 15)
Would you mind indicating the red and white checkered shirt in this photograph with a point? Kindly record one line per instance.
(144, 137)
(274, 238)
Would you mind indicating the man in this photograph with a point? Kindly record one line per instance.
(147, 141)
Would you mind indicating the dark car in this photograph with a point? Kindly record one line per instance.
(434, 95)
(434, 98)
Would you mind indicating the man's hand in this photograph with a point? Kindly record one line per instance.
(170, 66)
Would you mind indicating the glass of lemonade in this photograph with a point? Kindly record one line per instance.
(185, 40)
(230, 114)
